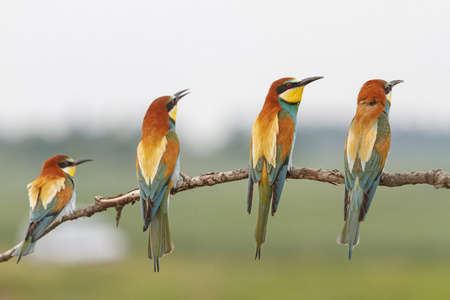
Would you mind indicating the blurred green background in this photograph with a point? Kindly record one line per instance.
(404, 251)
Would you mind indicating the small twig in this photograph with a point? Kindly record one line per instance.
(185, 177)
(118, 214)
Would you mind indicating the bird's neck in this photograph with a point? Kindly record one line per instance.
(291, 108)
(172, 123)
(388, 108)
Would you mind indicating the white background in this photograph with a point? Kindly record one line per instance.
(95, 66)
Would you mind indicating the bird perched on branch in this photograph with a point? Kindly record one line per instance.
(366, 149)
(52, 196)
(158, 167)
(272, 143)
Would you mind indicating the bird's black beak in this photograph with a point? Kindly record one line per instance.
(181, 94)
(395, 82)
(308, 80)
(80, 161)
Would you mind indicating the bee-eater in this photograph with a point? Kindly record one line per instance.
(157, 168)
(52, 197)
(272, 143)
(366, 149)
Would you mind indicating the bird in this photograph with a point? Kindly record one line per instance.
(158, 168)
(52, 197)
(271, 147)
(366, 149)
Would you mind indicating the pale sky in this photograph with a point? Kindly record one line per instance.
(95, 66)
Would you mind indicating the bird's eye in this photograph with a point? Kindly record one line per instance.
(65, 164)
(289, 85)
(172, 101)
(387, 89)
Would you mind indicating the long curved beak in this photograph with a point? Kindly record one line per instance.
(80, 161)
(181, 94)
(395, 82)
(308, 80)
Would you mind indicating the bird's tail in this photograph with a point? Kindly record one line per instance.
(265, 196)
(349, 234)
(159, 241)
(26, 247)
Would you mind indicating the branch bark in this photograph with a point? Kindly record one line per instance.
(437, 178)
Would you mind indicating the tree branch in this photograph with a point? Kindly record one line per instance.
(437, 178)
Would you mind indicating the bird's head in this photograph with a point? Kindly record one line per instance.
(388, 88)
(67, 164)
(171, 103)
(376, 92)
(291, 89)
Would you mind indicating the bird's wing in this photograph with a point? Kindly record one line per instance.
(262, 149)
(153, 193)
(149, 155)
(263, 144)
(41, 216)
(271, 144)
(277, 174)
(367, 169)
(43, 189)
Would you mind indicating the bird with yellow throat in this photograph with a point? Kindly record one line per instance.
(366, 150)
(272, 144)
(52, 197)
(158, 168)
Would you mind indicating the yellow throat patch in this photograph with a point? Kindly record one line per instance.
(70, 170)
(173, 113)
(292, 95)
(388, 97)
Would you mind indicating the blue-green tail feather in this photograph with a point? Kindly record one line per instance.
(26, 247)
(265, 196)
(159, 240)
(349, 234)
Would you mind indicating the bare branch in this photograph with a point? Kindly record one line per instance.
(437, 178)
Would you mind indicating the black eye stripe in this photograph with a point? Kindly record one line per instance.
(283, 88)
(171, 104)
(65, 164)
